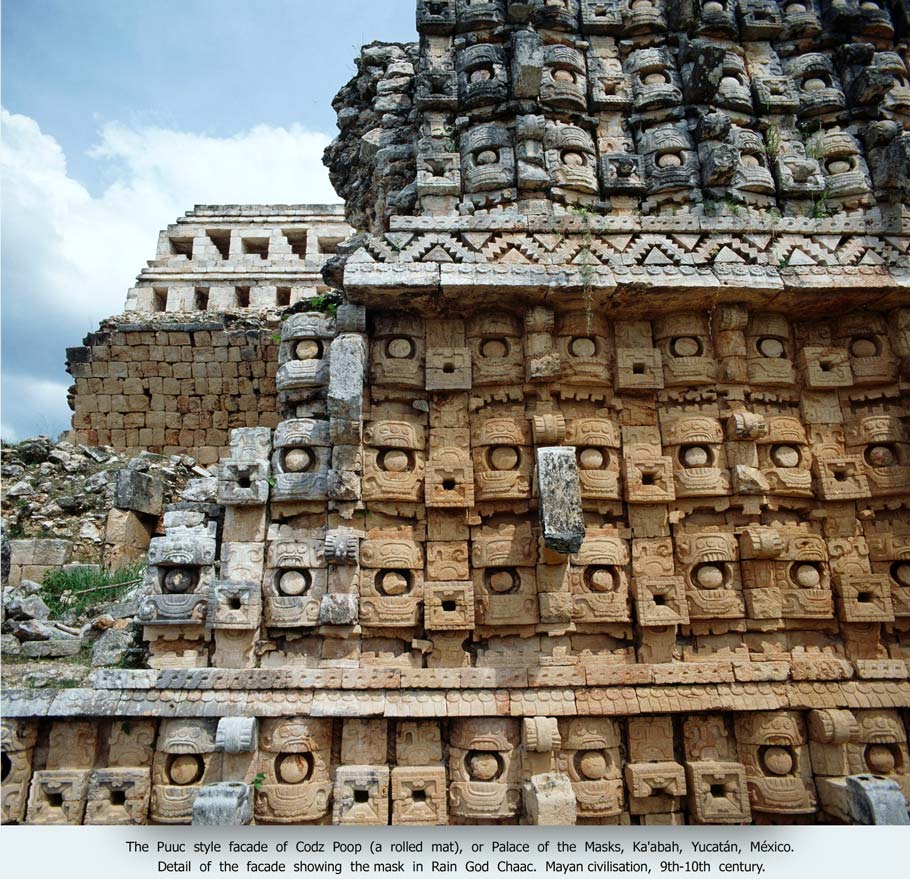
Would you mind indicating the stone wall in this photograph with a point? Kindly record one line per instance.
(174, 386)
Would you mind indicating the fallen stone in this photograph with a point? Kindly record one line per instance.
(26, 607)
(90, 531)
(97, 482)
(6, 555)
(36, 630)
(138, 491)
(113, 646)
(34, 450)
(9, 645)
(122, 610)
(29, 587)
(205, 490)
(51, 649)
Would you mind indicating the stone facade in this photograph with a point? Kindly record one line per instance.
(590, 502)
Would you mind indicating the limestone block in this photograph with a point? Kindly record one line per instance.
(418, 743)
(874, 800)
(58, 796)
(338, 610)
(550, 800)
(419, 795)
(348, 359)
(655, 787)
(448, 369)
(139, 492)
(118, 796)
(561, 519)
(364, 742)
(243, 483)
(72, 745)
(717, 793)
(342, 547)
(361, 795)
(224, 804)
(237, 735)
(449, 605)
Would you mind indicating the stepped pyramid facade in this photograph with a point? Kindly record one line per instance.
(588, 504)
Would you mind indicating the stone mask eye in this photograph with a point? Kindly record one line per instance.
(573, 158)
(669, 160)
(564, 75)
(655, 77)
(815, 82)
(839, 165)
(486, 157)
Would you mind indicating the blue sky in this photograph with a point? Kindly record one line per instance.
(118, 116)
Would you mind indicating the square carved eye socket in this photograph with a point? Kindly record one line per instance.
(419, 796)
(361, 795)
(118, 798)
(449, 605)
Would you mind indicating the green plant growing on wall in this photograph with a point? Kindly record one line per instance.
(586, 264)
(79, 589)
(774, 142)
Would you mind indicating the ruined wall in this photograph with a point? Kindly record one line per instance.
(194, 355)
(174, 386)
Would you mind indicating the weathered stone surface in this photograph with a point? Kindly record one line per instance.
(138, 492)
(114, 646)
(223, 804)
(876, 800)
(561, 519)
(52, 649)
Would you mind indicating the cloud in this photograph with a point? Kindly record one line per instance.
(69, 256)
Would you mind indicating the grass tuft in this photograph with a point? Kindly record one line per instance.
(77, 590)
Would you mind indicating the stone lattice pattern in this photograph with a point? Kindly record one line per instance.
(572, 515)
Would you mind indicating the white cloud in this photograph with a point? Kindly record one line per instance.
(69, 257)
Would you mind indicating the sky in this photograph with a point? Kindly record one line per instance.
(120, 115)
